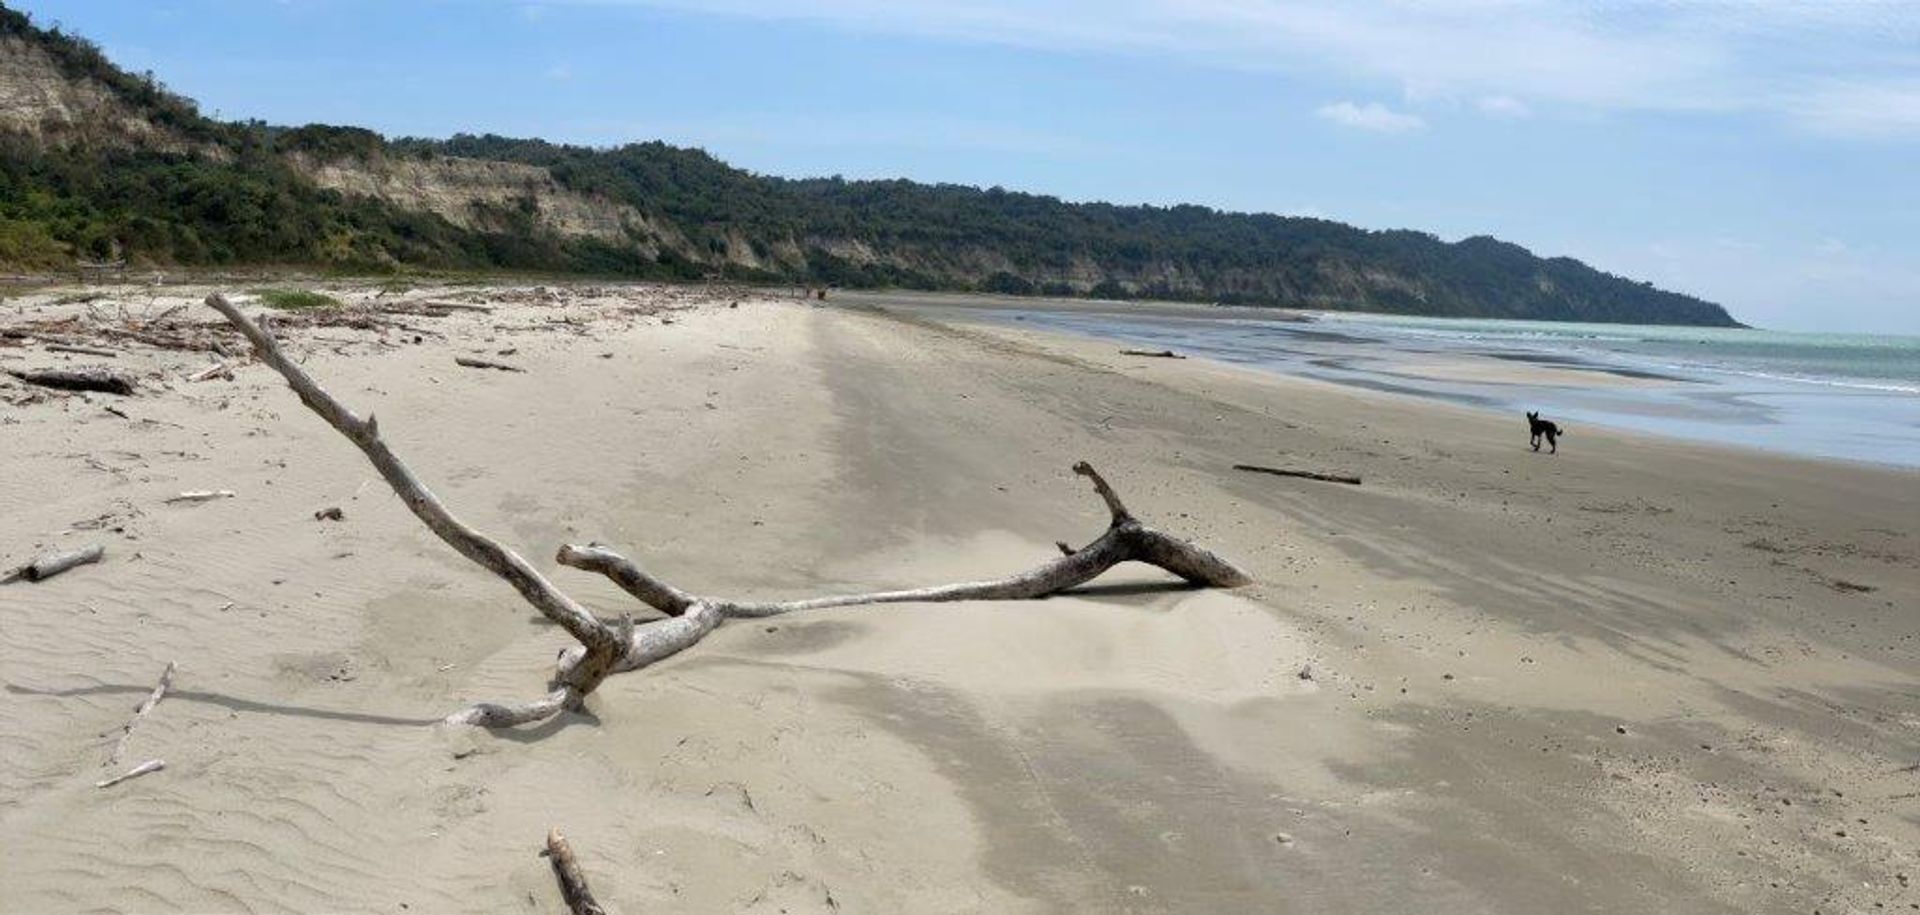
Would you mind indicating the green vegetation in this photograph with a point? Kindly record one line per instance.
(235, 195)
(295, 299)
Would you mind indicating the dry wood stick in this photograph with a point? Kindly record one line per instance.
(83, 350)
(473, 363)
(159, 692)
(151, 765)
(54, 563)
(573, 881)
(216, 370)
(454, 306)
(204, 495)
(1348, 479)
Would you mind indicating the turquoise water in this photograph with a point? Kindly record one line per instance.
(1845, 396)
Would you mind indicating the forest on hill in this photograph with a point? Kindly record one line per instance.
(124, 168)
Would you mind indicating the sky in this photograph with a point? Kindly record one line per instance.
(1763, 155)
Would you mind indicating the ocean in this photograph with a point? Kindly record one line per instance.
(1840, 396)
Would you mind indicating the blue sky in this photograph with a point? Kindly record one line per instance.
(1762, 155)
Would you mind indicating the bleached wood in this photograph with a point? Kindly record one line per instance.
(573, 880)
(151, 765)
(606, 648)
(153, 699)
(54, 563)
(200, 495)
(603, 645)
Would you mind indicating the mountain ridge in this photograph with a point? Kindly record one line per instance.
(96, 162)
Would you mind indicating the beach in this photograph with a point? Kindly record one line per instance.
(1644, 674)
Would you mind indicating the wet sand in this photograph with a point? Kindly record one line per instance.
(1639, 676)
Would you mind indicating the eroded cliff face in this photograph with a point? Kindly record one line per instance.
(491, 197)
(40, 101)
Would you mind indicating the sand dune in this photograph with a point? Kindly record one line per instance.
(1640, 676)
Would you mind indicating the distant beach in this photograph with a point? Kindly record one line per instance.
(1842, 396)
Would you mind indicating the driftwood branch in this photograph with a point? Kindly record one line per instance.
(216, 370)
(573, 881)
(89, 378)
(457, 306)
(1348, 479)
(473, 363)
(153, 699)
(611, 647)
(82, 350)
(1152, 353)
(54, 563)
(151, 765)
(200, 495)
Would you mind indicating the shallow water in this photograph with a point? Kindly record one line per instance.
(1844, 396)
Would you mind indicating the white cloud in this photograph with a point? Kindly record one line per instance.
(1371, 116)
(1664, 55)
(1860, 110)
(1502, 106)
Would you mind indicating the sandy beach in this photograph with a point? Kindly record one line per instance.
(1638, 676)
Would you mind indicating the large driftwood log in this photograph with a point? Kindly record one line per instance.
(54, 563)
(609, 647)
(86, 378)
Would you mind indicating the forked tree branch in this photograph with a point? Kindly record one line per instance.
(606, 648)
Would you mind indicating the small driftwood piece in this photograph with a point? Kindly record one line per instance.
(1348, 479)
(457, 306)
(1152, 353)
(83, 350)
(151, 765)
(472, 363)
(331, 513)
(615, 646)
(88, 378)
(54, 563)
(573, 881)
(216, 370)
(153, 699)
(202, 495)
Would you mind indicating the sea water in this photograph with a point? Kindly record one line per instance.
(1846, 396)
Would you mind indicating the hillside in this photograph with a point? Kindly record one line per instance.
(99, 163)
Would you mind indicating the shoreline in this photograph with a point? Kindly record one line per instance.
(1642, 675)
(1592, 393)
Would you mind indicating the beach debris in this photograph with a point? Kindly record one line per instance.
(610, 646)
(54, 563)
(153, 699)
(331, 513)
(473, 363)
(1152, 353)
(573, 881)
(201, 495)
(88, 378)
(216, 370)
(82, 350)
(151, 765)
(1348, 479)
(455, 306)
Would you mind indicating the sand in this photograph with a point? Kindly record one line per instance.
(1638, 676)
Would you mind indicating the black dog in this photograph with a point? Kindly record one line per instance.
(1537, 427)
